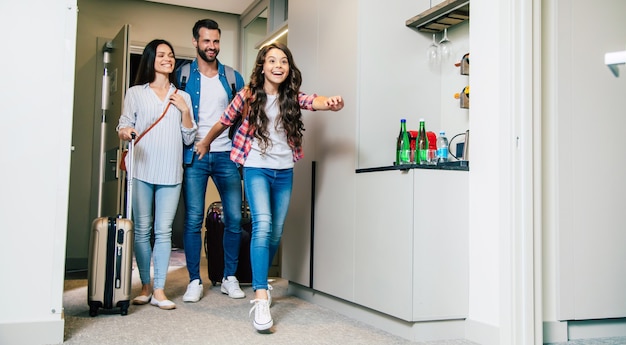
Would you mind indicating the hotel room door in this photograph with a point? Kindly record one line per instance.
(116, 57)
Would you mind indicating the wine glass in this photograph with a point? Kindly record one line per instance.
(445, 47)
(432, 53)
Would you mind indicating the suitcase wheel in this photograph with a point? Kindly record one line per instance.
(93, 308)
(123, 306)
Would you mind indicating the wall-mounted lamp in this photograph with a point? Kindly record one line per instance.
(612, 60)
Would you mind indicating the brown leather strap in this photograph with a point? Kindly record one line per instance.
(155, 122)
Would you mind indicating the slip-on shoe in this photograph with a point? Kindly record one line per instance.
(142, 299)
(165, 304)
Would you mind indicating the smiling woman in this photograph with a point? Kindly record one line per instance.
(157, 165)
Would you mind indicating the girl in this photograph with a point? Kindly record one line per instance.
(267, 144)
(158, 163)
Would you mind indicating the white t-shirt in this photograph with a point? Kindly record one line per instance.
(278, 154)
(213, 102)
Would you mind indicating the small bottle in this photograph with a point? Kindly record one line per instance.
(403, 145)
(442, 147)
(422, 144)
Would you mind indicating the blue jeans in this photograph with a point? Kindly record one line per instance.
(158, 202)
(227, 179)
(268, 192)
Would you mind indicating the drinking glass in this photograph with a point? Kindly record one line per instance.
(445, 47)
(432, 53)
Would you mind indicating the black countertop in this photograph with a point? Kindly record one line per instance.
(455, 165)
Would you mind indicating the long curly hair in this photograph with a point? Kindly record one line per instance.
(290, 115)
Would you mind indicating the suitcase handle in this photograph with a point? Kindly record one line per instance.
(129, 175)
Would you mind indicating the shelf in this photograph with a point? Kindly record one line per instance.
(442, 16)
(452, 165)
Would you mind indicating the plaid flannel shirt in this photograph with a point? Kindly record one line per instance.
(242, 141)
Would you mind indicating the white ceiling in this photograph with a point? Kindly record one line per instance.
(227, 6)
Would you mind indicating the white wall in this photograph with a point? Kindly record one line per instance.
(38, 66)
(500, 259)
(395, 80)
(487, 112)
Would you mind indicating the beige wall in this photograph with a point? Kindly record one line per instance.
(103, 19)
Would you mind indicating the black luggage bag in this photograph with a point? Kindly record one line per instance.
(214, 244)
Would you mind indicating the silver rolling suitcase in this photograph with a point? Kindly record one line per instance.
(111, 256)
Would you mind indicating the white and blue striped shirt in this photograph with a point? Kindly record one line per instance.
(159, 155)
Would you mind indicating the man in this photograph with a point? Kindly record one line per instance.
(211, 92)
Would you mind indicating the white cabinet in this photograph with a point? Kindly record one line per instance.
(440, 245)
(411, 243)
(383, 242)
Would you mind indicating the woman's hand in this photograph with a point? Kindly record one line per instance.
(125, 133)
(179, 102)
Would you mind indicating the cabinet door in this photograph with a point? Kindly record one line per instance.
(440, 281)
(383, 269)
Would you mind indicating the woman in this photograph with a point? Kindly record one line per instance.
(158, 162)
(267, 144)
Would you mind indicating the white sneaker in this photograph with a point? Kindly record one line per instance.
(262, 318)
(230, 286)
(194, 291)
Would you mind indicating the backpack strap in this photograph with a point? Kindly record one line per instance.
(184, 75)
(185, 70)
(230, 77)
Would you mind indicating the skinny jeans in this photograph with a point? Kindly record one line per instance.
(158, 202)
(268, 192)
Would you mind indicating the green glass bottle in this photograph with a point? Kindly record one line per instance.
(403, 145)
(422, 144)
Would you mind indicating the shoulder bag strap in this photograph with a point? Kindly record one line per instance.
(155, 122)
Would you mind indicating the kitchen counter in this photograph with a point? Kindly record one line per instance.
(455, 165)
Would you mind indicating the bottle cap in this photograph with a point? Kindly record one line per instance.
(422, 119)
(402, 120)
(442, 132)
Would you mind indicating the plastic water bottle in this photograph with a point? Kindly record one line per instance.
(442, 147)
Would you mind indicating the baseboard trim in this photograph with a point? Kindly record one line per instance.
(482, 333)
(27, 333)
(588, 329)
(554, 331)
(413, 331)
(76, 264)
